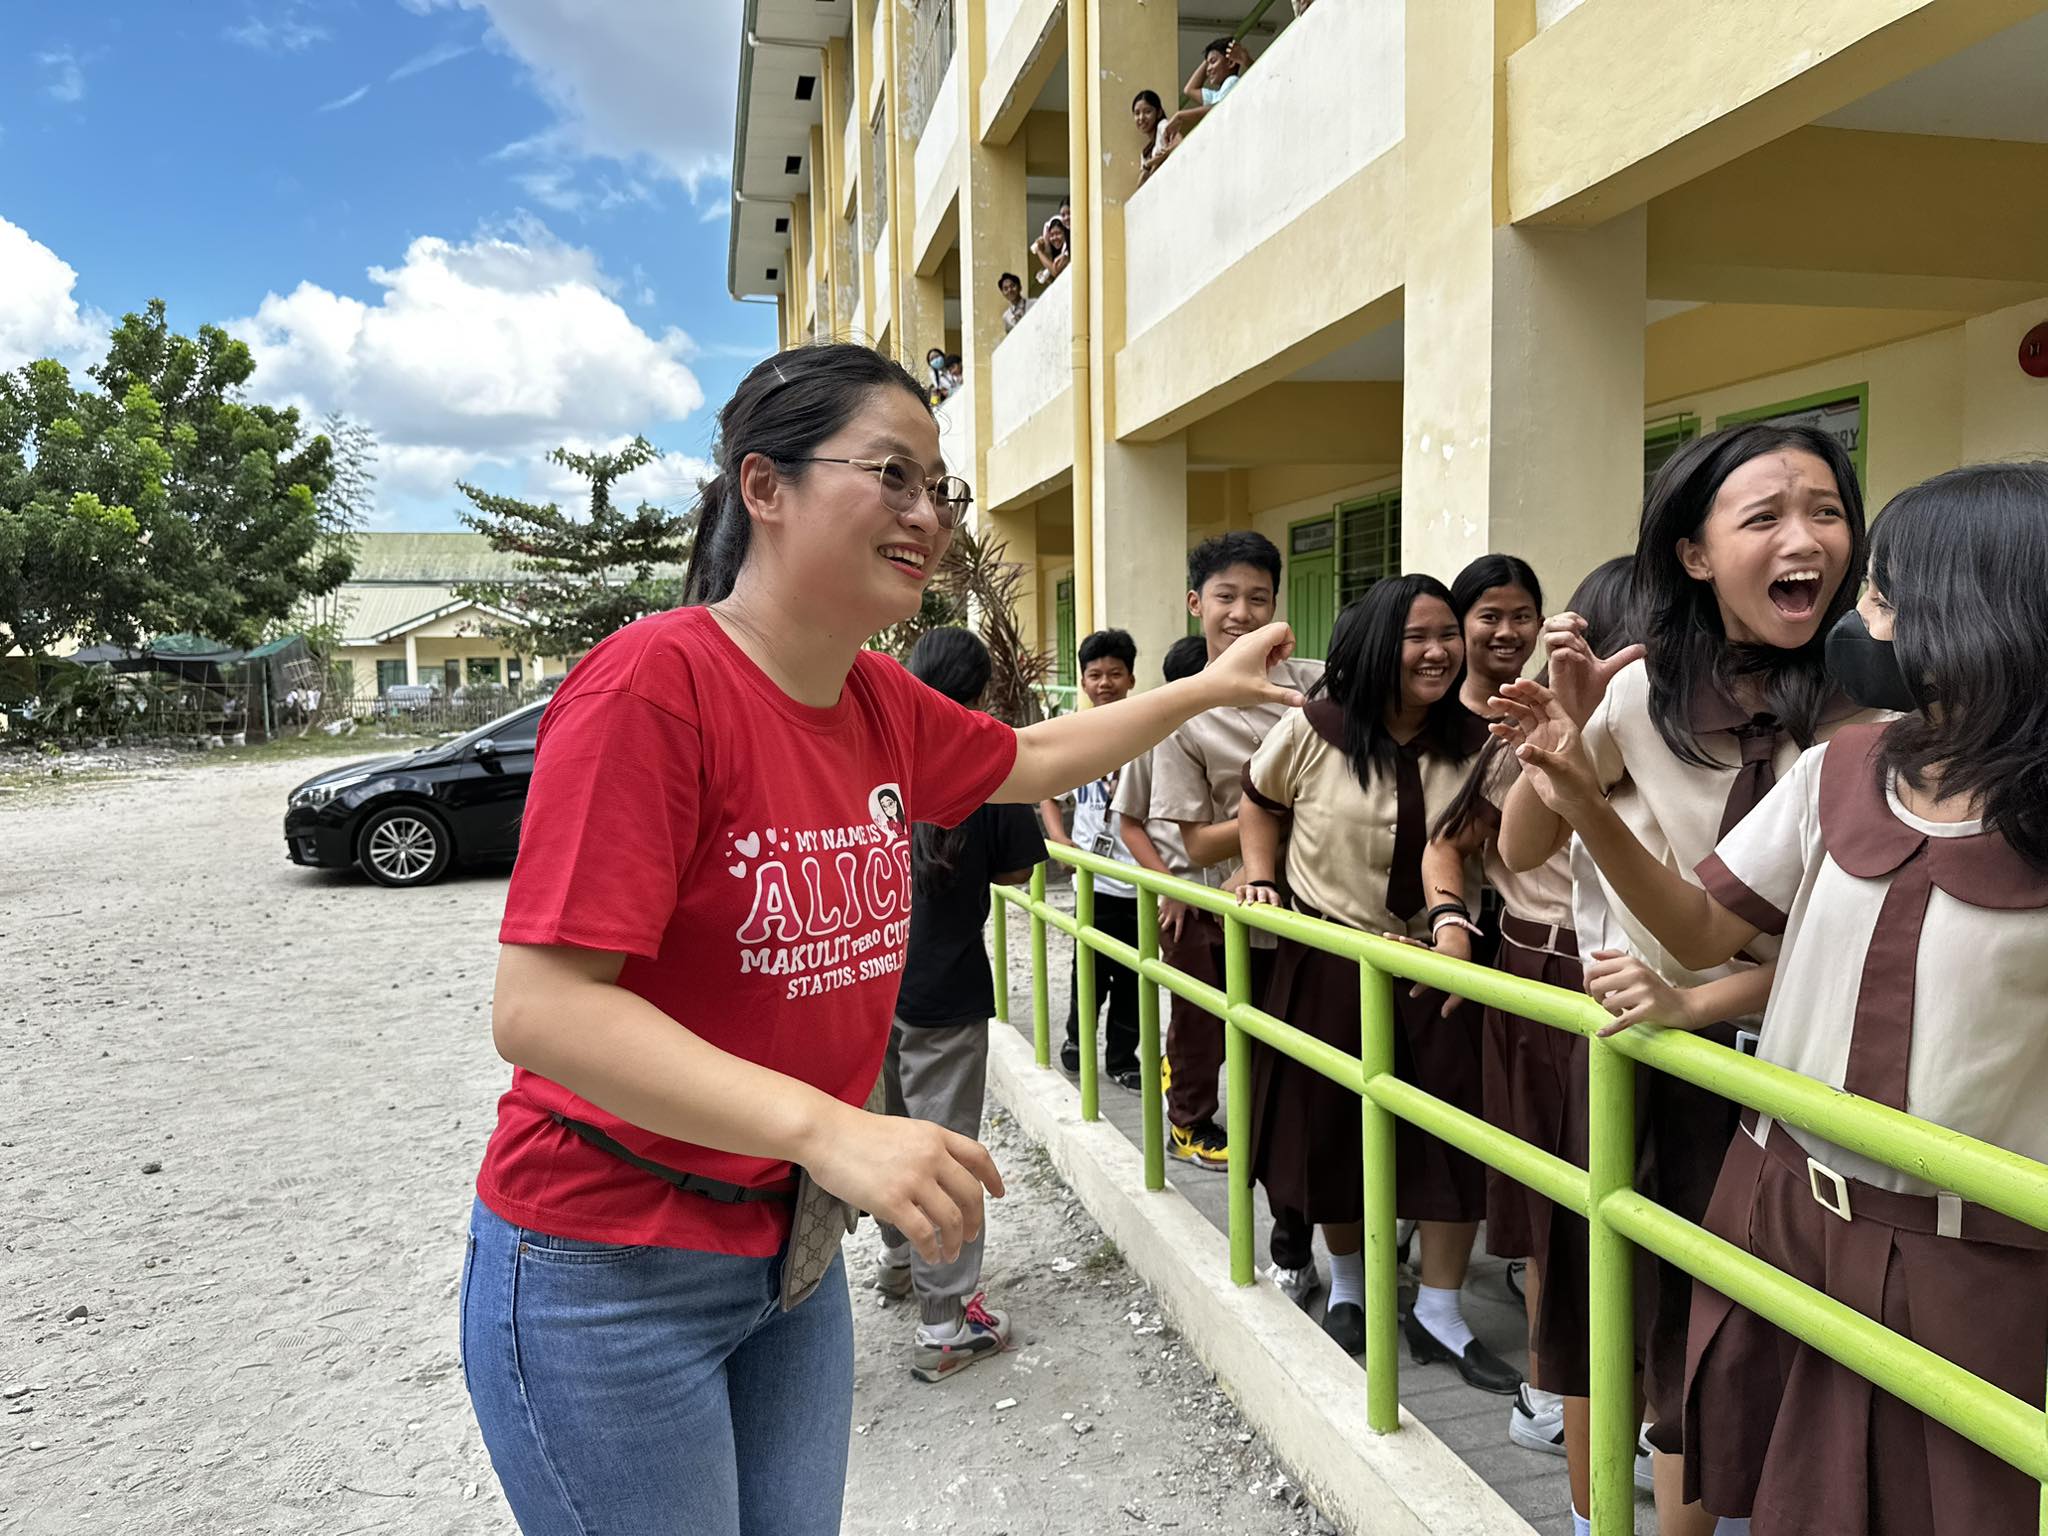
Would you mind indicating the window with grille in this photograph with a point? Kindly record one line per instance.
(1368, 544)
(390, 674)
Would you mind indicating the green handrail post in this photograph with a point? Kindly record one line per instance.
(1084, 991)
(999, 945)
(1382, 1255)
(1611, 1168)
(1041, 1023)
(1148, 1041)
(1237, 1075)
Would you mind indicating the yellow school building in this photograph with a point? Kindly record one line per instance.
(1433, 279)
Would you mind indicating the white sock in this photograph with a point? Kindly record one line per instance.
(1437, 1309)
(1732, 1525)
(1581, 1526)
(1540, 1401)
(1347, 1279)
(898, 1257)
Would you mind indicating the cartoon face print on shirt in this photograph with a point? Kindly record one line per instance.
(885, 805)
(830, 905)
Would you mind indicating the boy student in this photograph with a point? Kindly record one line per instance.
(1108, 660)
(1197, 782)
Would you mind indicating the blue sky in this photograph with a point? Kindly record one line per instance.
(484, 227)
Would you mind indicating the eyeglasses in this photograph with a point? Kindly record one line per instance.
(902, 481)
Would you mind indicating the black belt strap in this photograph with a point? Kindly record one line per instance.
(689, 1183)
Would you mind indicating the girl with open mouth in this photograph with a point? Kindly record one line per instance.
(1751, 546)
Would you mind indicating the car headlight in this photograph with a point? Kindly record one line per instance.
(315, 795)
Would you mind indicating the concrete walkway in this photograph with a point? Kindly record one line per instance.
(1474, 1424)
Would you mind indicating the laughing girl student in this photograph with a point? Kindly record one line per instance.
(1534, 1076)
(1905, 868)
(1751, 547)
(1355, 779)
(700, 954)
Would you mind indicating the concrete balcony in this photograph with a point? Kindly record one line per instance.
(1273, 234)
(1031, 415)
(956, 432)
(937, 173)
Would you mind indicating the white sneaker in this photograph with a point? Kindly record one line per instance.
(1646, 1477)
(1536, 1420)
(1297, 1285)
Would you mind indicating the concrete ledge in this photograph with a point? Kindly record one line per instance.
(1289, 1380)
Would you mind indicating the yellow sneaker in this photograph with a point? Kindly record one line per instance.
(1165, 1074)
(1203, 1145)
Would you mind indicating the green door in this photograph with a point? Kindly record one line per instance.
(1063, 599)
(1312, 584)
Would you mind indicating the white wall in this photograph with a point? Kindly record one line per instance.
(999, 14)
(885, 289)
(956, 431)
(1550, 12)
(2005, 413)
(1322, 101)
(1035, 361)
(849, 146)
(941, 137)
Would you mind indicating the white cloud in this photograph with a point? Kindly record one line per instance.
(433, 58)
(645, 83)
(39, 315)
(66, 81)
(287, 32)
(476, 358)
(349, 100)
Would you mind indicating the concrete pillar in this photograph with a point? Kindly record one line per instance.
(992, 242)
(864, 211)
(837, 286)
(919, 310)
(1140, 522)
(412, 660)
(793, 284)
(1501, 325)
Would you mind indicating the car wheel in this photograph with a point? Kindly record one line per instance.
(405, 845)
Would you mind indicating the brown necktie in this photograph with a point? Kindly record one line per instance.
(1881, 1048)
(1411, 833)
(1758, 739)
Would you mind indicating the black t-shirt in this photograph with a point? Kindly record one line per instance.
(946, 974)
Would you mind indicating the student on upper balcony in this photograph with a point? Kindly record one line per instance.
(1223, 64)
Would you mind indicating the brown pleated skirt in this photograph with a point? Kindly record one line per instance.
(1535, 1080)
(1305, 1128)
(1778, 1431)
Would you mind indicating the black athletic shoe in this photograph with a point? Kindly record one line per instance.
(1345, 1323)
(1130, 1078)
(1480, 1366)
(1070, 1057)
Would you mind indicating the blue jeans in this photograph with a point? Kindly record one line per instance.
(629, 1391)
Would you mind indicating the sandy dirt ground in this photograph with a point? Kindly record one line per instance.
(240, 1108)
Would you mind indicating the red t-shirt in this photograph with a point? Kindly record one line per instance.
(750, 856)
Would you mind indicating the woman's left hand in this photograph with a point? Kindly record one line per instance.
(1450, 941)
(1635, 994)
(1547, 742)
(1239, 677)
(1249, 895)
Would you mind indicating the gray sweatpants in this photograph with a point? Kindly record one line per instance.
(938, 1074)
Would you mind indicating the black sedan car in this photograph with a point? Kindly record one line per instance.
(406, 819)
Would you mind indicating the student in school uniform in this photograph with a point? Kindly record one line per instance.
(936, 1065)
(1353, 779)
(1157, 844)
(1532, 1074)
(1107, 659)
(1751, 546)
(1905, 868)
(1233, 580)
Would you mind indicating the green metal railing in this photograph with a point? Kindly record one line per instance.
(1603, 1192)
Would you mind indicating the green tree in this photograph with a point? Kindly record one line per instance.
(579, 578)
(160, 500)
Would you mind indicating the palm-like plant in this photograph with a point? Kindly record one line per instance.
(978, 586)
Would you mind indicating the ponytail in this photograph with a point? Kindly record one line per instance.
(720, 546)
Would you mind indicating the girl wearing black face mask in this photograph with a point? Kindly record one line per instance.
(1906, 867)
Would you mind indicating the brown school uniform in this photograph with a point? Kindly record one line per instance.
(1915, 973)
(1528, 1071)
(1354, 855)
(1194, 776)
(1679, 810)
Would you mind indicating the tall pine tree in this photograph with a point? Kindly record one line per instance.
(580, 578)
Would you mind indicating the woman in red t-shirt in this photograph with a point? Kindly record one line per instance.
(701, 948)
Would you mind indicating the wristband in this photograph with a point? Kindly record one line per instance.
(1454, 920)
(1456, 907)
